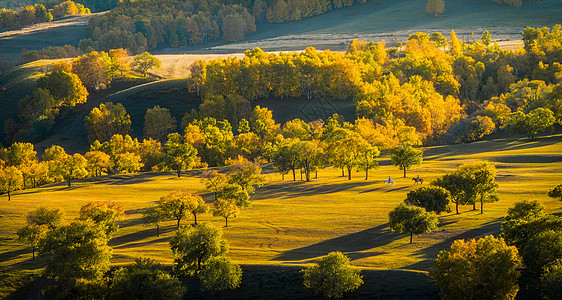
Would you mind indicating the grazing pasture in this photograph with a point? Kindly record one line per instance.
(295, 223)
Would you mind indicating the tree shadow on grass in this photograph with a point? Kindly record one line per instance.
(302, 188)
(354, 244)
(141, 244)
(430, 253)
(139, 235)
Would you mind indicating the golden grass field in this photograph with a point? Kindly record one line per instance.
(294, 223)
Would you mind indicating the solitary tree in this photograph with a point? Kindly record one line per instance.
(483, 269)
(367, 158)
(178, 154)
(556, 192)
(406, 218)
(481, 177)
(405, 157)
(214, 181)
(194, 246)
(32, 235)
(220, 274)
(154, 215)
(144, 62)
(431, 198)
(11, 179)
(435, 7)
(145, 279)
(225, 208)
(332, 276)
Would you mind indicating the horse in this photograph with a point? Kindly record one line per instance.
(417, 180)
(389, 182)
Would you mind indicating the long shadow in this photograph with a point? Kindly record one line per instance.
(9, 255)
(430, 253)
(302, 188)
(352, 243)
(139, 235)
(140, 244)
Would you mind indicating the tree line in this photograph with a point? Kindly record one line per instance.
(38, 13)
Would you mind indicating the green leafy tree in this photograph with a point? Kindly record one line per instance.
(194, 246)
(367, 158)
(225, 208)
(310, 155)
(145, 279)
(483, 269)
(220, 274)
(144, 62)
(542, 250)
(43, 216)
(158, 123)
(537, 121)
(11, 179)
(40, 103)
(180, 204)
(66, 88)
(32, 235)
(556, 192)
(154, 215)
(431, 198)
(98, 162)
(551, 281)
(93, 69)
(179, 154)
(405, 157)
(412, 219)
(245, 173)
(74, 251)
(332, 276)
(458, 185)
(236, 192)
(104, 214)
(435, 7)
(482, 177)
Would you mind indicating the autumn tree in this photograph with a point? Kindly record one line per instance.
(144, 62)
(332, 276)
(178, 154)
(93, 70)
(431, 198)
(483, 269)
(367, 158)
(405, 157)
(412, 219)
(455, 45)
(119, 59)
(97, 162)
(11, 179)
(43, 216)
(158, 123)
(486, 38)
(435, 7)
(107, 120)
(180, 204)
(214, 181)
(193, 247)
(225, 208)
(104, 214)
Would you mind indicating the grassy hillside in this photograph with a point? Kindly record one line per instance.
(294, 223)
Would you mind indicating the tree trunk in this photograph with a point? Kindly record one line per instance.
(33, 251)
(481, 207)
(342, 172)
(195, 217)
(316, 176)
(301, 173)
(215, 195)
(179, 219)
(307, 175)
(367, 174)
(411, 236)
(157, 230)
(226, 221)
(282, 178)
(294, 175)
(8, 195)
(69, 182)
(348, 173)
(457, 207)
(179, 172)
(474, 205)
(404, 172)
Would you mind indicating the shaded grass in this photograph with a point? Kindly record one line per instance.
(295, 223)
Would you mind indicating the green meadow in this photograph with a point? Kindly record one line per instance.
(293, 223)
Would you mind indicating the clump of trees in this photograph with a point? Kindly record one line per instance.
(38, 13)
(477, 269)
